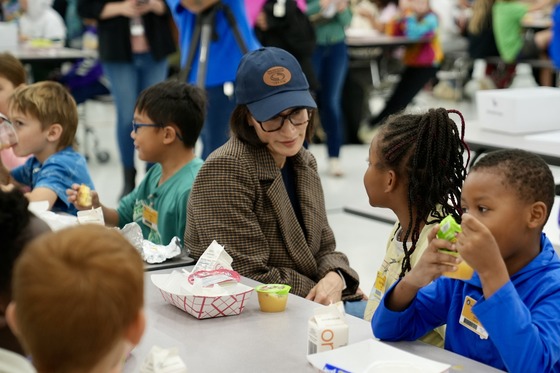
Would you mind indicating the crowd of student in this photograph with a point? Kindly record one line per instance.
(260, 196)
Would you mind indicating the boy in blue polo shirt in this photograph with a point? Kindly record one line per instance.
(45, 118)
(167, 121)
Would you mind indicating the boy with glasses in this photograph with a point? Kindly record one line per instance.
(167, 121)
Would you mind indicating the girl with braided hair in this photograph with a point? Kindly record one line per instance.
(416, 167)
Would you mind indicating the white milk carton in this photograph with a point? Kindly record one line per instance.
(520, 110)
(327, 329)
(9, 38)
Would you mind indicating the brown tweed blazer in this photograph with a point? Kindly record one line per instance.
(239, 200)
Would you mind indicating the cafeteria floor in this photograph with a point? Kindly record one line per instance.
(362, 239)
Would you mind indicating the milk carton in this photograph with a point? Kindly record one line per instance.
(327, 329)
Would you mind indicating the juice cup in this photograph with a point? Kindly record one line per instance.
(8, 136)
(448, 230)
(273, 297)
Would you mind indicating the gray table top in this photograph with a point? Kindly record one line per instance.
(253, 341)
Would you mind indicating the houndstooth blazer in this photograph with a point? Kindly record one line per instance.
(239, 200)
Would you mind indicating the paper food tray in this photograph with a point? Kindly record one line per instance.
(372, 356)
(204, 307)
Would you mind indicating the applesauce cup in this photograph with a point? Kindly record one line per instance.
(8, 136)
(273, 297)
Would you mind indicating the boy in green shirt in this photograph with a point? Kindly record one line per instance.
(168, 118)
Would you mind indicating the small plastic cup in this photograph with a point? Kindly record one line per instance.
(8, 136)
(273, 297)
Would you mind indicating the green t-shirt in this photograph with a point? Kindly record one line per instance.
(506, 18)
(330, 31)
(169, 200)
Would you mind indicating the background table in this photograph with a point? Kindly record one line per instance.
(51, 54)
(254, 341)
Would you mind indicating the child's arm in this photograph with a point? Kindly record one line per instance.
(477, 246)
(418, 29)
(110, 215)
(430, 266)
(42, 194)
(539, 5)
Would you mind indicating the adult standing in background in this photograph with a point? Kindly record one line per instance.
(284, 24)
(330, 61)
(224, 55)
(134, 42)
(260, 195)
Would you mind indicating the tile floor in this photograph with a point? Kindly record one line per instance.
(362, 239)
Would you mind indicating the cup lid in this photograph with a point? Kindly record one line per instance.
(273, 288)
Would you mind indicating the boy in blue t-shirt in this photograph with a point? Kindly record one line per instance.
(506, 315)
(168, 118)
(45, 119)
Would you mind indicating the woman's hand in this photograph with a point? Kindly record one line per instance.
(328, 290)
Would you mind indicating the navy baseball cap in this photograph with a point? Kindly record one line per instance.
(270, 80)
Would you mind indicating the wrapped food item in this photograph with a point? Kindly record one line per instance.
(84, 196)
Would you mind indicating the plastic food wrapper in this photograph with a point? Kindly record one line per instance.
(161, 360)
(327, 329)
(92, 216)
(153, 253)
(150, 252)
(205, 293)
(133, 233)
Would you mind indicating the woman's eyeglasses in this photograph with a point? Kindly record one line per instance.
(297, 117)
(135, 127)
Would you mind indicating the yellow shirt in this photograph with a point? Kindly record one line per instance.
(389, 273)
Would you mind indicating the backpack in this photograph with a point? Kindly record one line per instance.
(293, 32)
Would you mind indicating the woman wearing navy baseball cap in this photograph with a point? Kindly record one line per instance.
(260, 195)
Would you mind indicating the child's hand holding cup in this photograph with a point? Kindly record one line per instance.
(448, 230)
(8, 136)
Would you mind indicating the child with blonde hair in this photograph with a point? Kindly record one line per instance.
(45, 118)
(78, 298)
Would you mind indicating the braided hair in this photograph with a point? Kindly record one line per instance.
(427, 149)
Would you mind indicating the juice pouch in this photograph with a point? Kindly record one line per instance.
(448, 230)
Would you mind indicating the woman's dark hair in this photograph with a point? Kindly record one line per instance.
(240, 128)
(427, 149)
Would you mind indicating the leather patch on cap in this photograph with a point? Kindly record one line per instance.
(277, 75)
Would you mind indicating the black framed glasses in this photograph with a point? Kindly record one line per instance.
(135, 127)
(297, 117)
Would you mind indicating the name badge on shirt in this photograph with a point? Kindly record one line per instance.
(469, 320)
(149, 217)
(379, 287)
